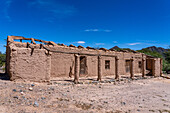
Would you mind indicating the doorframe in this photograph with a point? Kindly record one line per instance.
(85, 65)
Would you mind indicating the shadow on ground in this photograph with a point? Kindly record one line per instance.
(4, 76)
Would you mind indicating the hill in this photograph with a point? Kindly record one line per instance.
(160, 50)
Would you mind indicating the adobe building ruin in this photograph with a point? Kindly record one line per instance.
(47, 60)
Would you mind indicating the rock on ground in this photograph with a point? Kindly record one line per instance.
(144, 96)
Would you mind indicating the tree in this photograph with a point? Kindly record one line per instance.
(167, 56)
(2, 59)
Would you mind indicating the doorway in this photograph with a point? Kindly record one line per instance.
(127, 66)
(83, 65)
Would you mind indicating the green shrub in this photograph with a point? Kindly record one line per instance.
(166, 65)
(2, 59)
(167, 56)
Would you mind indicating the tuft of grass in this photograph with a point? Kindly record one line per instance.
(152, 110)
(83, 106)
(164, 111)
(163, 100)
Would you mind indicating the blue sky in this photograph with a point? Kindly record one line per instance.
(131, 24)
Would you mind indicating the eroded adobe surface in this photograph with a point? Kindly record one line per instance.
(46, 61)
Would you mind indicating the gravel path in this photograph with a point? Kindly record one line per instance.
(144, 96)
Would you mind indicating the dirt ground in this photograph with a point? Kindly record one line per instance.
(109, 96)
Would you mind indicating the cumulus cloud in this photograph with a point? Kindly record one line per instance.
(114, 41)
(81, 42)
(132, 44)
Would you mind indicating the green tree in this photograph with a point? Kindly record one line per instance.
(166, 65)
(167, 56)
(2, 59)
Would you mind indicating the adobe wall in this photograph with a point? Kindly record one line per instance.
(62, 63)
(92, 66)
(111, 71)
(35, 63)
(157, 67)
(137, 69)
(27, 65)
(128, 56)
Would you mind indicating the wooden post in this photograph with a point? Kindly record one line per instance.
(99, 69)
(132, 69)
(116, 68)
(161, 64)
(76, 71)
(153, 67)
(143, 67)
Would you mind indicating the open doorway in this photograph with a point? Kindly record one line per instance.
(127, 66)
(83, 65)
(149, 66)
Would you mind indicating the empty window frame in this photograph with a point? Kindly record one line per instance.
(107, 64)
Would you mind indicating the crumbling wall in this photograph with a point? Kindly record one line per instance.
(25, 64)
(41, 62)
(62, 65)
(157, 67)
(123, 58)
(137, 69)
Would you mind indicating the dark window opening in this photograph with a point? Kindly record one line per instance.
(140, 64)
(107, 64)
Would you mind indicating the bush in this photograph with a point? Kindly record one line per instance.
(167, 56)
(166, 66)
(2, 59)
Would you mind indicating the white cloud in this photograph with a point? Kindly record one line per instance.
(99, 44)
(94, 30)
(132, 44)
(114, 41)
(146, 41)
(81, 42)
(97, 30)
(107, 30)
(7, 6)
